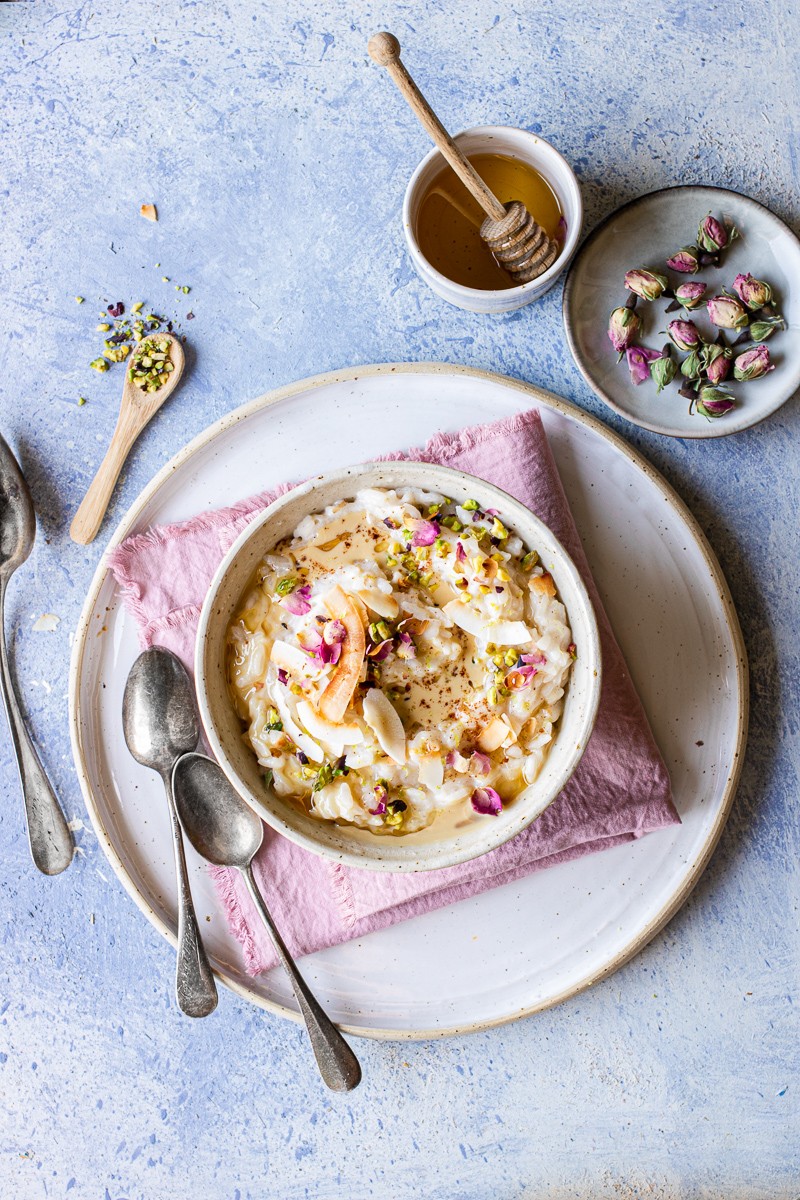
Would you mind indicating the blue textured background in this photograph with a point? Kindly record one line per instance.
(278, 155)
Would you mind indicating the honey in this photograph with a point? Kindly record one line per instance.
(449, 219)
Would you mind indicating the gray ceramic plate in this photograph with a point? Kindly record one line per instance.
(646, 232)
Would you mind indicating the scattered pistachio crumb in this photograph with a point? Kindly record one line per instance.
(81, 401)
(103, 327)
(79, 299)
(99, 364)
(165, 278)
(185, 290)
(138, 306)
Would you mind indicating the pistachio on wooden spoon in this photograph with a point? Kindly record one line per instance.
(153, 373)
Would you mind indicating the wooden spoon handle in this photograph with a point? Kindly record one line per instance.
(89, 517)
(384, 49)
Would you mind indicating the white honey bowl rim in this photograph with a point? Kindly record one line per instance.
(569, 198)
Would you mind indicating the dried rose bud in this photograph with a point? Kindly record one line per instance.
(717, 364)
(713, 236)
(726, 312)
(684, 334)
(686, 260)
(714, 402)
(755, 293)
(649, 285)
(761, 330)
(692, 366)
(623, 329)
(639, 359)
(752, 364)
(663, 369)
(690, 294)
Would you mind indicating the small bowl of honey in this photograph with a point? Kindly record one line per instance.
(442, 221)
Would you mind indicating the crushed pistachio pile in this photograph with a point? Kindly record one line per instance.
(124, 333)
(151, 365)
(748, 310)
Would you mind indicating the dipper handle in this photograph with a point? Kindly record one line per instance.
(384, 49)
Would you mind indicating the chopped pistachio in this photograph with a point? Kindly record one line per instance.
(103, 328)
(81, 401)
(185, 290)
(470, 505)
(79, 299)
(529, 560)
(138, 306)
(165, 278)
(149, 366)
(99, 364)
(511, 658)
(286, 586)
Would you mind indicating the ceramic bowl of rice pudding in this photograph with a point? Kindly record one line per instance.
(398, 666)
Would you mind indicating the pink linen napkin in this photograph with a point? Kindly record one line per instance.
(619, 792)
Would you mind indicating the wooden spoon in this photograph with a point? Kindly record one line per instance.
(515, 239)
(136, 409)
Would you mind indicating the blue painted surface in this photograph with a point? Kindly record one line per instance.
(278, 155)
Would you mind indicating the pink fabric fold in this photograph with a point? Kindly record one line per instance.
(620, 790)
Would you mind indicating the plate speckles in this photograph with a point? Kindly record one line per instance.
(430, 976)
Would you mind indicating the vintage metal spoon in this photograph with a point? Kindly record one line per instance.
(136, 408)
(228, 833)
(160, 721)
(49, 837)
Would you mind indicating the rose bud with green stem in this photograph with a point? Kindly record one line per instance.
(716, 363)
(648, 285)
(623, 329)
(663, 368)
(684, 334)
(686, 261)
(690, 295)
(714, 402)
(726, 312)
(752, 364)
(713, 235)
(692, 366)
(761, 330)
(755, 293)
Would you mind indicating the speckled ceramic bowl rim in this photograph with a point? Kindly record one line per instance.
(542, 282)
(424, 851)
(530, 393)
(716, 428)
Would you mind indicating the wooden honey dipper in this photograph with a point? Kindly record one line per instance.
(515, 239)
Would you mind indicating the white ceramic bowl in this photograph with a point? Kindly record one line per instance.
(441, 844)
(516, 143)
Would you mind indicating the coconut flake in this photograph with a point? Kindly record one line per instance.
(383, 720)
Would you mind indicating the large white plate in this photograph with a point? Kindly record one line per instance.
(530, 944)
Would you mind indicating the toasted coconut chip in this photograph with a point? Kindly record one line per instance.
(293, 730)
(380, 603)
(148, 211)
(493, 735)
(339, 692)
(543, 583)
(382, 718)
(334, 736)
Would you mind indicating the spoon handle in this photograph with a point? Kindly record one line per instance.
(50, 839)
(337, 1063)
(195, 987)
